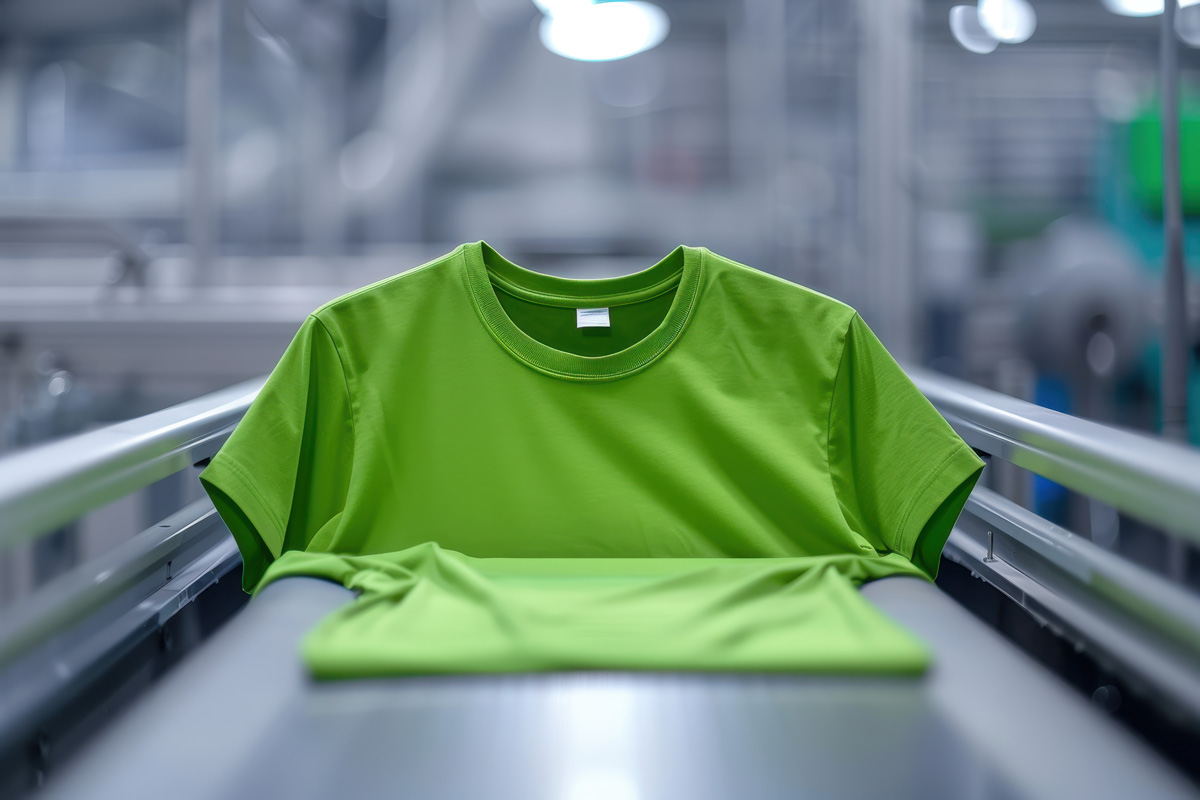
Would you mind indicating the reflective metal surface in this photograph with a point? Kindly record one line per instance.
(46, 486)
(139, 566)
(1114, 609)
(242, 720)
(1154, 480)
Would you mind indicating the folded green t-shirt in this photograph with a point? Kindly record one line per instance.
(428, 610)
(698, 410)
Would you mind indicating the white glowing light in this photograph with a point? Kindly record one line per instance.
(552, 7)
(597, 728)
(59, 384)
(602, 31)
(1008, 21)
(1141, 8)
(969, 32)
(601, 784)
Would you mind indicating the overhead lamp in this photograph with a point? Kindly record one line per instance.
(969, 31)
(604, 31)
(1008, 21)
(1141, 8)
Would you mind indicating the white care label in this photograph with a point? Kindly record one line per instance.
(591, 318)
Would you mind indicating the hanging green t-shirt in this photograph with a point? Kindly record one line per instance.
(721, 413)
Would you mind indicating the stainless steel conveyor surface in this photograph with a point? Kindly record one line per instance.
(241, 719)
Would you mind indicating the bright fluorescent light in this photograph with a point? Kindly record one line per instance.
(1008, 21)
(601, 785)
(970, 33)
(1141, 8)
(1134, 8)
(603, 31)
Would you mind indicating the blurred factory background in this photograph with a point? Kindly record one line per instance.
(182, 182)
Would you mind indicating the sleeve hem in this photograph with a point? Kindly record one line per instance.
(255, 529)
(942, 496)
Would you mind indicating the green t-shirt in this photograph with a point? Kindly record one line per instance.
(722, 414)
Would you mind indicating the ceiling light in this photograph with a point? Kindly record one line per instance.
(1141, 8)
(969, 32)
(1008, 21)
(603, 31)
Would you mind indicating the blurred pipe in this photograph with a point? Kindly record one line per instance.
(757, 73)
(887, 99)
(1174, 369)
(423, 78)
(428, 82)
(203, 109)
(323, 133)
(1174, 350)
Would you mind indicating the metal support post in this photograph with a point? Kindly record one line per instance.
(888, 93)
(1174, 335)
(202, 206)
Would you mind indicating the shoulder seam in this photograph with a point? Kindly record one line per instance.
(345, 374)
(837, 375)
(778, 279)
(384, 281)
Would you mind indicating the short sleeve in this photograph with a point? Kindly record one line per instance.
(280, 481)
(900, 472)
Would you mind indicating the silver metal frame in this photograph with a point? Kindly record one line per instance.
(1138, 624)
(89, 618)
(137, 568)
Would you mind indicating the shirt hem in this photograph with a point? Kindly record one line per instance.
(225, 480)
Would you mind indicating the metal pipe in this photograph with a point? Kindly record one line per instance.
(1146, 477)
(1174, 352)
(1149, 478)
(144, 562)
(1174, 335)
(44, 487)
(202, 207)
(1127, 616)
(57, 229)
(888, 95)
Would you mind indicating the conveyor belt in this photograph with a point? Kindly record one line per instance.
(240, 719)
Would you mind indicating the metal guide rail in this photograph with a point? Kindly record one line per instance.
(1141, 623)
(1134, 621)
(1151, 479)
(46, 486)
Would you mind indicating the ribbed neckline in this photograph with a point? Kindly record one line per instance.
(483, 267)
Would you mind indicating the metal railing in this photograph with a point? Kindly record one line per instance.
(60, 229)
(1152, 479)
(1127, 615)
(85, 621)
(52, 484)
